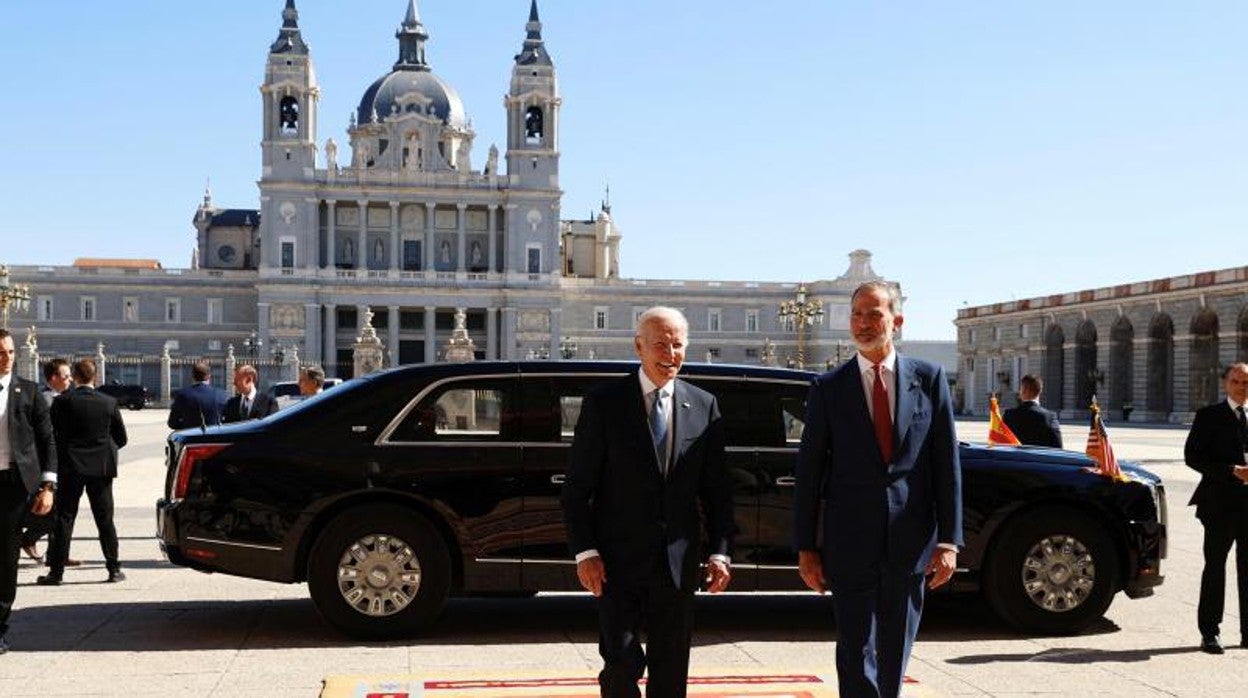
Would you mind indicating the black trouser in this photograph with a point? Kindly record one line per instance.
(1221, 530)
(13, 498)
(68, 493)
(652, 606)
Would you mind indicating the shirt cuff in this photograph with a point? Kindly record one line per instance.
(722, 558)
(585, 555)
(48, 477)
(947, 546)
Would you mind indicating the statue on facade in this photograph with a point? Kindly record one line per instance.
(463, 155)
(331, 155)
(491, 164)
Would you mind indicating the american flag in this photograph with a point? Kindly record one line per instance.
(1099, 448)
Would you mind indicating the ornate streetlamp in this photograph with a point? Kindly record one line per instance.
(252, 344)
(799, 314)
(16, 295)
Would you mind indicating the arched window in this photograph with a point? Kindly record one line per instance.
(1204, 373)
(1054, 358)
(534, 125)
(1160, 379)
(1121, 364)
(289, 115)
(1087, 374)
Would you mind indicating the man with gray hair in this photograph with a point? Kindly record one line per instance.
(648, 450)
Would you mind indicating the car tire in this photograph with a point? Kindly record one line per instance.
(136, 405)
(379, 572)
(1053, 571)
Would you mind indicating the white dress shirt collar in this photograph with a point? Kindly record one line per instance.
(889, 363)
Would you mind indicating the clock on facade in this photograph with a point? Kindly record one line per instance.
(226, 253)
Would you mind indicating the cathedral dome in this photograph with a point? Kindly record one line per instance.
(416, 91)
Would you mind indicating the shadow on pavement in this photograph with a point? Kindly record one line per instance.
(1075, 655)
(294, 623)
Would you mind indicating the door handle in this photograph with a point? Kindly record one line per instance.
(786, 481)
(557, 479)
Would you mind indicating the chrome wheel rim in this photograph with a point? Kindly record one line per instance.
(1058, 573)
(379, 575)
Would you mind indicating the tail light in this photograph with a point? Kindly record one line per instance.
(189, 458)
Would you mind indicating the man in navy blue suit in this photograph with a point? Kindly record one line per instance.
(197, 405)
(878, 477)
(647, 458)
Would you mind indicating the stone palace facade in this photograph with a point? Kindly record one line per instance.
(406, 221)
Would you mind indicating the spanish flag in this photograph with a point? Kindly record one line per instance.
(998, 433)
(1099, 449)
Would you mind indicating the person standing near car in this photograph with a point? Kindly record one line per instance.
(1031, 423)
(878, 476)
(647, 451)
(249, 403)
(56, 380)
(199, 404)
(311, 380)
(27, 467)
(1216, 448)
(89, 430)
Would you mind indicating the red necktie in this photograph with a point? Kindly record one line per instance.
(880, 415)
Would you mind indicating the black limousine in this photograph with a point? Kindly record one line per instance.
(396, 490)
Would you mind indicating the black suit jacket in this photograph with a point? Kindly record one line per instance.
(1034, 425)
(874, 514)
(89, 430)
(196, 405)
(1213, 446)
(261, 407)
(31, 444)
(615, 499)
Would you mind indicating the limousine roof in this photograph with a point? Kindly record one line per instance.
(441, 370)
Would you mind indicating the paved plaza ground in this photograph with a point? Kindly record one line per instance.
(171, 631)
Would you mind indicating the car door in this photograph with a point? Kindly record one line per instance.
(457, 448)
(783, 410)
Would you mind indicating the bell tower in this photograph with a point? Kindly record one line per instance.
(290, 95)
(533, 113)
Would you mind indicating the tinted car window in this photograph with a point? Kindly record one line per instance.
(468, 410)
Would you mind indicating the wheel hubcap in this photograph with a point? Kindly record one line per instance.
(1058, 573)
(379, 575)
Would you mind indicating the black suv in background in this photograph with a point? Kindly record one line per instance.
(135, 397)
(395, 490)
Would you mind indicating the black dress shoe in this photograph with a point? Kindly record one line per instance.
(48, 580)
(1211, 644)
(115, 576)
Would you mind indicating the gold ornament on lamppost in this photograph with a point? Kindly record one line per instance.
(16, 295)
(800, 313)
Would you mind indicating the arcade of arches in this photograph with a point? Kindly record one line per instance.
(1149, 352)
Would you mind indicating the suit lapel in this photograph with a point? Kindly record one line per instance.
(639, 420)
(682, 422)
(859, 412)
(907, 396)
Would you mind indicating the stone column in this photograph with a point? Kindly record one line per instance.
(431, 334)
(514, 262)
(291, 371)
(556, 331)
(395, 245)
(101, 365)
(461, 224)
(331, 228)
(392, 335)
(491, 331)
(360, 318)
(430, 253)
(230, 364)
(312, 339)
(28, 365)
(508, 350)
(329, 357)
(166, 380)
(361, 248)
(262, 326)
(492, 244)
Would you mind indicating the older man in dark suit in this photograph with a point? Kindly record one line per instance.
(878, 474)
(648, 449)
(1031, 423)
(27, 466)
(249, 403)
(1215, 448)
(89, 430)
(199, 404)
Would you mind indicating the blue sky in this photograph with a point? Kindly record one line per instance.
(982, 150)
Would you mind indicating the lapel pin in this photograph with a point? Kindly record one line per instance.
(684, 404)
